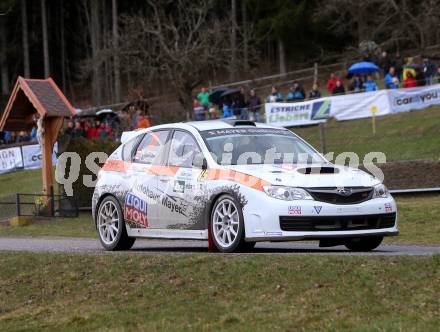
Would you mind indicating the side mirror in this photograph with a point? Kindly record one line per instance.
(199, 161)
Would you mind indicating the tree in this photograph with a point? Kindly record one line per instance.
(25, 40)
(116, 62)
(45, 39)
(233, 64)
(182, 41)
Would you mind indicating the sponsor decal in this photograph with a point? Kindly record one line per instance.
(174, 206)
(135, 210)
(294, 209)
(318, 209)
(203, 175)
(179, 186)
(321, 110)
(388, 207)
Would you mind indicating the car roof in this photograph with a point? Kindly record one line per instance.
(199, 126)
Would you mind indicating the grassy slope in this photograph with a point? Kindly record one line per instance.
(405, 136)
(213, 292)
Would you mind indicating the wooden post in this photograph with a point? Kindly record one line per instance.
(51, 128)
(322, 138)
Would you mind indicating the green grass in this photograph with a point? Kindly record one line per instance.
(118, 292)
(74, 227)
(404, 136)
(26, 181)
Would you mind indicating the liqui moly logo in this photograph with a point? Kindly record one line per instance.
(135, 210)
(293, 209)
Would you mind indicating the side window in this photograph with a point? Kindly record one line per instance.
(183, 149)
(127, 150)
(151, 148)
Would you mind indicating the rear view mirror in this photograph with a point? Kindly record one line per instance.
(199, 161)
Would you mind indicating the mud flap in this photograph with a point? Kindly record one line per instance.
(211, 245)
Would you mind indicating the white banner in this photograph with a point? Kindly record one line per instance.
(26, 156)
(352, 106)
(32, 156)
(10, 159)
(404, 100)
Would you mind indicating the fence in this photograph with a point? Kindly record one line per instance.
(37, 205)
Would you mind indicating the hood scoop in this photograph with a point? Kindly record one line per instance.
(318, 170)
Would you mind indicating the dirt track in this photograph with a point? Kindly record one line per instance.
(77, 245)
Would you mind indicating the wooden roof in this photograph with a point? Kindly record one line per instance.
(31, 96)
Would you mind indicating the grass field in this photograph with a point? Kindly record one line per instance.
(419, 223)
(405, 136)
(120, 292)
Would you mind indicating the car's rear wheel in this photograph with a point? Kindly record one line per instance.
(227, 224)
(364, 243)
(111, 227)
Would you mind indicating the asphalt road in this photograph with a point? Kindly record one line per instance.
(71, 245)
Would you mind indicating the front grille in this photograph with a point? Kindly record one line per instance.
(336, 223)
(347, 195)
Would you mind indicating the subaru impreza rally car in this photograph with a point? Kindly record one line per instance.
(235, 183)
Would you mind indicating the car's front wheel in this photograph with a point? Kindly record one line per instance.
(227, 224)
(111, 227)
(364, 243)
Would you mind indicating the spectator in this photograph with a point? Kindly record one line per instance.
(143, 121)
(314, 93)
(429, 69)
(227, 111)
(104, 131)
(370, 84)
(239, 105)
(356, 84)
(410, 81)
(33, 136)
(275, 96)
(91, 130)
(339, 88)
(331, 83)
(203, 98)
(296, 93)
(22, 137)
(212, 113)
(78, 131)
(124, 119)
(385, 62)
(69, 129)
(438, 75)
(391, 80)
(135, 119)
(398, 65)
(198, 109)
(254, 105)
(409, 68)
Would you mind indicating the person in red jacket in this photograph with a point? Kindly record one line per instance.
(409, 81)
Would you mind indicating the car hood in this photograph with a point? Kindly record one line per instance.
(309, 176)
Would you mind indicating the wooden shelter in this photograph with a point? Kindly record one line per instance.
(38, 103)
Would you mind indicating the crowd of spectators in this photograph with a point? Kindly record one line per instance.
(12, 137)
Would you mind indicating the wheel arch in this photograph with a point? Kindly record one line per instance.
(98, 203)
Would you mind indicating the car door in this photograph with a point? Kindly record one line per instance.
(142, 202)
(179, 184)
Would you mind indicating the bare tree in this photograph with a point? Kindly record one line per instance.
(116, 62)
(180, 41)
(25, 39)
(233, 64)
(45, 39)
(3, 60)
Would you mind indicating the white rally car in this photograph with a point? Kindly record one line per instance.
(235, 183)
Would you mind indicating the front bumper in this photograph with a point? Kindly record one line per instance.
(264, 224)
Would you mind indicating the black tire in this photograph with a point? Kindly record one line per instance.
(120, 241)
(367, 243)
(238, 244)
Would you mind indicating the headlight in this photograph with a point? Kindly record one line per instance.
(287, 193)
(381, 191)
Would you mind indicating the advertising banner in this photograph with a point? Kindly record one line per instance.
(10, 159)
(297, 114)
(32, 156)
(351, 106)
(404, 100)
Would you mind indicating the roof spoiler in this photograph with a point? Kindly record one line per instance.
(236, 123)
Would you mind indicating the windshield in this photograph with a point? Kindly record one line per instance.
(247, 146)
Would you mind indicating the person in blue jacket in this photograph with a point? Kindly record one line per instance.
(391, 80)
(370, 84)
